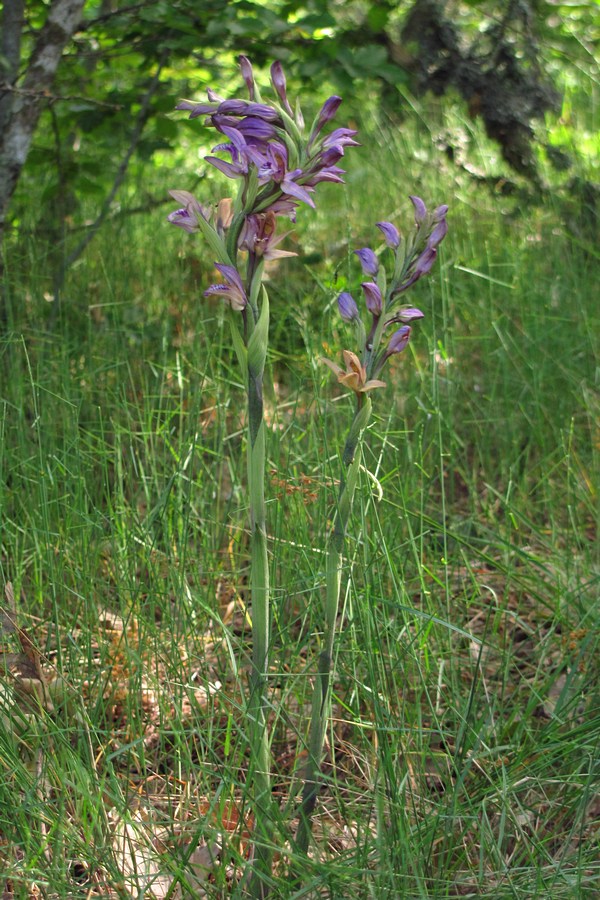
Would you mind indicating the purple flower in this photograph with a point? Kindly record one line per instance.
(258, 237)
(420, 210)
(408, 315)
(398, 341)
(425, 262)
(390, 233)
(279, 83)
(338, 139)
(328, 173)
(261, 137)
(246, 108)
(239, 150)
(233, 289)
(197, 109)
(368, 261)
(187, 217)
(373, 297)
(327, 113)
(347, 307)
(247, 74)
(438, 234)
(252, 127)
(284, 206)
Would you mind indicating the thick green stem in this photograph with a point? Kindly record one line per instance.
(322, 690)
(259, 776)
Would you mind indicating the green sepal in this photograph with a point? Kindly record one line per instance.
(291, 128)
(238, 342)
(292, 146)
(256, 283)
(214, 241)
(259, 339)
(382, 283)
(251, 189)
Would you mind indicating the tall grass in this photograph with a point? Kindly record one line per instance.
(462, 759)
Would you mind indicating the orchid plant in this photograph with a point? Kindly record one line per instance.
(277, 163)
(412, 258)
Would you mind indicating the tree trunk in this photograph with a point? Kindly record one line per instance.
(21, 104)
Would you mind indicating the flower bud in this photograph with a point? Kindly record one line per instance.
(438, 234)
(368, 261)
(347, 307)
(390, 233)
(373, 297)
(279, 85)
(420, 210)
(398, 340)
(328, 111)
(247, 75)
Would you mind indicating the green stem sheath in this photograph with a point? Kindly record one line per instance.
(260, 755)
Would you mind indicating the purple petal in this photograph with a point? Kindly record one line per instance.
(233, 290)
(330, 173)
(183, 219)
(398, 340)
(328, 111)
(390, 233)
(373, 297)
(368, 261)
(342, 137)
(197, 109)
(279, 84)
(247, 74)
(409, 315)
(232, 170)
(288, 186)
(347, 307)
(438, 234)
(231, 274)
(425, 262)
(420, 209)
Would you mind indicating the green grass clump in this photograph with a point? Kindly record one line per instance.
(462, 758)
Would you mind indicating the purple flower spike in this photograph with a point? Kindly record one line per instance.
(232, 290)
(420, 210)
(373, 297)
(368, 261)
(439, 212)
(247, 75)
(347, 307)
(398, 340)
(279, 83)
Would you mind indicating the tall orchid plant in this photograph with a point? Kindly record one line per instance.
(277, 163)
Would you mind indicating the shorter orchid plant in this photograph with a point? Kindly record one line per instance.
(413, 257)
(277, 163)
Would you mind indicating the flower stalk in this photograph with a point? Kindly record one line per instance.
(334, 567)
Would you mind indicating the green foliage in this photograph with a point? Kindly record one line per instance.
(466, 677)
